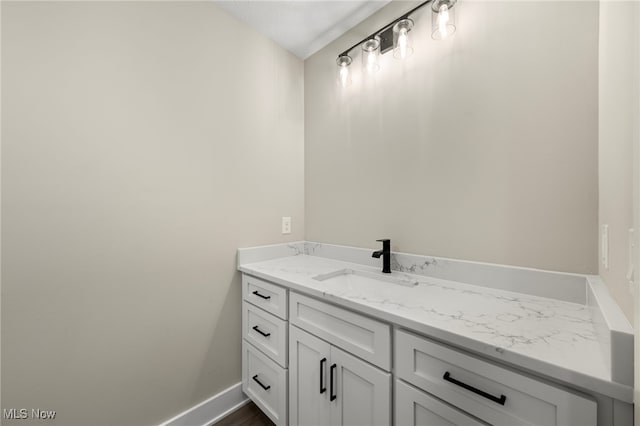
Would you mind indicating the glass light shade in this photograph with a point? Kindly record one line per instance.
(344, 75)
(443, 19)
(402, 46)
(370, 54)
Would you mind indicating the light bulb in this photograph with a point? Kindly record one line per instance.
(402, 43)
(344, 75)
(371, 63)
(443, 20)
(343, 61)
(370, 52)
(402, 39)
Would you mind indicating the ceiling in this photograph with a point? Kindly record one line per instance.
(301, 26)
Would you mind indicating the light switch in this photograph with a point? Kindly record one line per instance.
(604, 246)
(286, 225)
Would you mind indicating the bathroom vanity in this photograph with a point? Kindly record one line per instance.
(329, 339)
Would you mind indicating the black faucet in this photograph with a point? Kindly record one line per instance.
(386, 255)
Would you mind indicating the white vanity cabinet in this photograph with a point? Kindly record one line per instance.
(327, 385)
(264, 346)
(307, 362)
(484, 390)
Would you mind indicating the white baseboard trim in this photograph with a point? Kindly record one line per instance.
(211, 410)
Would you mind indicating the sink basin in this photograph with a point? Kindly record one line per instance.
(353, 276)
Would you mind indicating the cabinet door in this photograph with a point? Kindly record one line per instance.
(308, 379)
(361, 393)
(416, 408)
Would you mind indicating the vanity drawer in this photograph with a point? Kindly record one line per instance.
(416, 408)
(267, 332)
(492, 393)
(265, 382)
(270, 297)
(362, 336)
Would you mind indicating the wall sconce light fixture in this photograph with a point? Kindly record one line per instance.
(396, 36)
(443, 19)
(370, 53)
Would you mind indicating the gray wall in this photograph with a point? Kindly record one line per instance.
(618, 132)
(142, 144)
(483, 147)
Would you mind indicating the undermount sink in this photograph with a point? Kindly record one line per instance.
(353, 276)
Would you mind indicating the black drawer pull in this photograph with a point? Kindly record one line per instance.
(255, 327)
(495, 399)
(332, 395)
(261, 295)
(323, 387)
(260, 383)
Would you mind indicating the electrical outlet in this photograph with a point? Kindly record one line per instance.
(604, 246)
(286, 225)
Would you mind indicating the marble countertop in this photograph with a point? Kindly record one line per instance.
(552, 338)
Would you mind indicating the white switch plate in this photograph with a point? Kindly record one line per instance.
(286, 225)
(604, 246)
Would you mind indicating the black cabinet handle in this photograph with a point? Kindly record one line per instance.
(261, 295)
(495, 399)
(255, 327)
(260, 383)
(332, 395)
(323, 387)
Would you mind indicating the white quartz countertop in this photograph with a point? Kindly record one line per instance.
(547, 337)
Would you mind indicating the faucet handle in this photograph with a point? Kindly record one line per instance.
(386, 244)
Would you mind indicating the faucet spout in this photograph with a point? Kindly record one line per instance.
(386, 255)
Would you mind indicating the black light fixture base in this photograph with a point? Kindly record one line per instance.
(386, 40)
(386, 33)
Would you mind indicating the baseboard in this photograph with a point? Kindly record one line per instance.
(211, 410)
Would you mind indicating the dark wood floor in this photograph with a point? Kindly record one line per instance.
(249, 415)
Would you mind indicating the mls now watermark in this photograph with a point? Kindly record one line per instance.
(24, 413)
